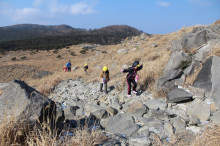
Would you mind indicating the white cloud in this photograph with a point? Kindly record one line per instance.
(81, 8)
(163, 4)
(21, 14)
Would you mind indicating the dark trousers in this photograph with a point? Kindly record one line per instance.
(105, 87)
(69, 69)
(129, 81)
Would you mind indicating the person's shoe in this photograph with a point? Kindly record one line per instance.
(129, 95)
(135, 92)
(101, 90)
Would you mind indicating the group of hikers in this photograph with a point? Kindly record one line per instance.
(131, 78)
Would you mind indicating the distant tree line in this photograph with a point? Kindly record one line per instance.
(39, 40)
(57, 42)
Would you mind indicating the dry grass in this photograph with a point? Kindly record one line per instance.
(17, 134)
(1, 92)
(154, 60)
(210, 137)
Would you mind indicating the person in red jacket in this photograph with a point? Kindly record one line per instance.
(132, 73)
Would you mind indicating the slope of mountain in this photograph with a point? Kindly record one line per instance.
(40, 37)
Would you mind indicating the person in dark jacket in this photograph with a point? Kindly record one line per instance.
(104, 78)
(132, 72)
(85, 68)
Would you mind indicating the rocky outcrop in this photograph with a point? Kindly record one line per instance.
(23, 103)
(209, 79)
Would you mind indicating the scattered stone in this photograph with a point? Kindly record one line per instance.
(139, 140)
(111, 111)
(137, 108)
(178, 95)
(156, 104)
(122, 51)
(199, 109)
(121, 123)
(178, 124)
(216, 117)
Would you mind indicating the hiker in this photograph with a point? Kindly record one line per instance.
(104, 78)
(85, 68)
(65, 68)
(132, 76)
(68, 65)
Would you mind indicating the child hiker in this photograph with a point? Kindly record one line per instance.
(132, 76)
(85, 68)
(104, 78)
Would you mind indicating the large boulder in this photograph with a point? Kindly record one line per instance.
(199, 109)
(23, 103)
(209, 79)
(121, 123)
(156, 104)
(137, 108)
(178, 95)
(199, 36)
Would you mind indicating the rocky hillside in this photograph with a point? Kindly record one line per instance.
(180, 68)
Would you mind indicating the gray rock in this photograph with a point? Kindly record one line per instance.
(178, 95)
(178, 112)
(102, 113)
(168, 129)
(216, 117)
(143, 131)
(137, 108)
(139, 140)
(199, 109)
(75, 68)
(26, 104)
(122, 51)
(157, 114)
(156, 104)
(121, 123)
(143, 36)
(153, 45)
(197, 92)
(209, 79)
(111, 111)
(91, 108)
(178, 124)
(200, 36)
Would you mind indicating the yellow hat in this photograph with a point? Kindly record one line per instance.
(86, 64)
(138, 65)
(105, 68)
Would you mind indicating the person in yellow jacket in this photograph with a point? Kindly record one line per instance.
(104, 78)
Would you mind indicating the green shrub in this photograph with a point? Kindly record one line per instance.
(72, 53)
(59, 56)
(55, 51)
(13, 59)
(23, 58)
(184, 64)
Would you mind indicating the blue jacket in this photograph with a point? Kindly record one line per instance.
(68, 64)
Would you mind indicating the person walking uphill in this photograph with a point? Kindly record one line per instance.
(132, 73)
(85, 68)
(104, 78)
(68, 66)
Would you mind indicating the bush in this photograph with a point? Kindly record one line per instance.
(72, 53)
(23, 58)
(55, 51)
(13, 59)
(184, 64)
(59, 56)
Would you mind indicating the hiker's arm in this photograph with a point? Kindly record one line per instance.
(140, 67)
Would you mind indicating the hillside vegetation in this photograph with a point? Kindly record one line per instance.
(38, 37)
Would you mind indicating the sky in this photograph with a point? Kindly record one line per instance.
(150, 16)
